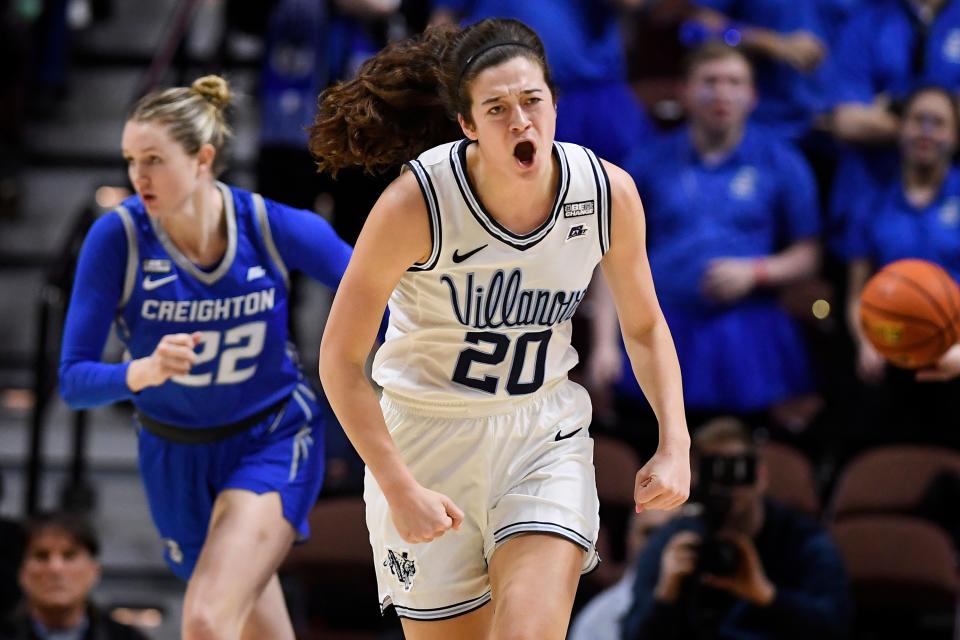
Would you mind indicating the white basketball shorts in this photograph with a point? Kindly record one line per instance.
(528, 467)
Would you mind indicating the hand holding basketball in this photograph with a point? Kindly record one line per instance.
(910, 312)
(946, 368)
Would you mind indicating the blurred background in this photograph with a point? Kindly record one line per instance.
(838, 152)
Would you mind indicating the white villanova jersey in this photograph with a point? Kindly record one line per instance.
(487, 315)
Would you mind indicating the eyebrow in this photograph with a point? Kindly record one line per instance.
(500, 97)
(144, 150)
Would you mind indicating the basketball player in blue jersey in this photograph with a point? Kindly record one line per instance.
(481, 496)
(230, 436)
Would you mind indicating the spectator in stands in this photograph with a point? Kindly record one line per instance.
(916, 215)
(585, 51)
(10, 551)
(731, 218)
(788, 41)
(58, 571)
(310, 44)
(601, 618)
(889, 49)
(746, 567)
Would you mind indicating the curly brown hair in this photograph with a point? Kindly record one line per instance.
(406, 98)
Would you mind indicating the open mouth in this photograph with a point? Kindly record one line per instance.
(525, 152)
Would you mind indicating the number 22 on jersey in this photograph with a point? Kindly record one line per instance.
(242, 342)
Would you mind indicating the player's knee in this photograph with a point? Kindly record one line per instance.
(527, 630)
(200, 624)
(203, 620)
(527, 626)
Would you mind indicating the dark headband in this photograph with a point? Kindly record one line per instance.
(473, 57)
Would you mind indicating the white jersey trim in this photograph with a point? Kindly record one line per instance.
(458, 154)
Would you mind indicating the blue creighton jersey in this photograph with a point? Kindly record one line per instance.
(239, 306)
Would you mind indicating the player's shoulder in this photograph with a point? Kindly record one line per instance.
(242, 200)
(437, 155)
(113, 223)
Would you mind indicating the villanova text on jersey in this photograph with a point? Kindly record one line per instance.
(505, 303)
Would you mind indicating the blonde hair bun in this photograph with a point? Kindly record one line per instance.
(213, 89)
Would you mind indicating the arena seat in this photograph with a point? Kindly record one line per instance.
(902, 572)
(790, 478)
(889, 479)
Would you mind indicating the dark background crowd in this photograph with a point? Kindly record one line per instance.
(784, 151)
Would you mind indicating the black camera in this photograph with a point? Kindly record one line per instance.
(711, 503)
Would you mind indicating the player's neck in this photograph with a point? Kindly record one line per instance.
(198, 229)
(521, 205)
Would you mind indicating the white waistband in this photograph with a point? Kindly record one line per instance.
(470, 408)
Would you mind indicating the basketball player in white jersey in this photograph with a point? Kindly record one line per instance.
(481, 498)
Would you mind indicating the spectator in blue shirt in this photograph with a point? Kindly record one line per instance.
(586, 56)
(834, 15)
(916, 215)
(790, 46)
(731, 218)
(890, 48)
(784, 579)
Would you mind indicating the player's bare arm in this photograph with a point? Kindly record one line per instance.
(664, 482)
(395, 236)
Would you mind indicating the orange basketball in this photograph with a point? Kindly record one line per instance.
(910, 311)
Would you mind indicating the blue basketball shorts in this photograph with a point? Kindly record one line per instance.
(283, 453)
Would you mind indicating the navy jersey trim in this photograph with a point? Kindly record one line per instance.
(433, 208)
(527, 526)
(133, 256)
(184, 263)
(603, 199)
(438, 613)
(263, 221)
(458, 162)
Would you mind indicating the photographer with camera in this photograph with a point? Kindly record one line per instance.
(738, 565)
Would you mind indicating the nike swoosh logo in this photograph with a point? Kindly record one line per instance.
(460, 257)
(150, 285)
(569, 435)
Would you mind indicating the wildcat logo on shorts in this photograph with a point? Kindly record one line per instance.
(402, 566)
